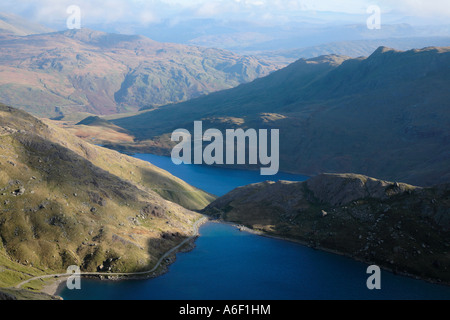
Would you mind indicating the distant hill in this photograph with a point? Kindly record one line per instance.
(354, 49)
(290, 37)
(85, 71)
(15, 25)
(386, 115)
(397, 226)
(98, 122)
(66, 202)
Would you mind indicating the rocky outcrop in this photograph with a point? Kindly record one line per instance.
(6, 297)
(152, 210)
(339, 189)
(395, 225)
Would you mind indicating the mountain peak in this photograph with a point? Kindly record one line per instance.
(382, 50)
(99, 37)
(331, 59)
(339, 189)
(73, 33)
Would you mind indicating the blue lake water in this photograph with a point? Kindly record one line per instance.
(215, 180)
(231, 265)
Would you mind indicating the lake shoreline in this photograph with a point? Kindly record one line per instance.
(244, 228)
(223, 179)
(57, 287)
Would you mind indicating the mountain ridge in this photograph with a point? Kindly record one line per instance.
(91, 71)
(397, 226)
(385, 115)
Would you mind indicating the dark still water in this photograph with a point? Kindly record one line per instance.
(215, 180)
(231, 265)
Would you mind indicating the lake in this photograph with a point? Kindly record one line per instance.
(215, 180)
(228, 264)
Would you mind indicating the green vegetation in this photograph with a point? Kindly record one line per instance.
(17, 294)
(65, 202)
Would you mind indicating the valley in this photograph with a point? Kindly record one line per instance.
(95, 171)
(384, 116)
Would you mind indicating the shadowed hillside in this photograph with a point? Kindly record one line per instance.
(395, 225)
(385, 116)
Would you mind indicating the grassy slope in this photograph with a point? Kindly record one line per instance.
(137, 171)
(397, 226)
(71, 210)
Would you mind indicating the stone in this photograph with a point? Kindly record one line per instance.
(19, 191)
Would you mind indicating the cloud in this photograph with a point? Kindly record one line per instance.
(151, 11)
(92, 11)
(422, 8)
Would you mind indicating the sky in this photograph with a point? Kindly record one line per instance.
(148, 12)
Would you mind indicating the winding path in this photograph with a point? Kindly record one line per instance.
(164, 256)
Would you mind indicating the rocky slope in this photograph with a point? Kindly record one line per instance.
(394, 225)
(65, 202)
(59, 73)
(384, 116)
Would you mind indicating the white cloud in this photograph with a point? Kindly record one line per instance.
(150, 11)
(422, 8)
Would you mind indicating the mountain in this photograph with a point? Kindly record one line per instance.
(385, 116)
(398, 226)
(15, 25)
(354, 49)
(60, 73)
(266, 38)
(66, 202)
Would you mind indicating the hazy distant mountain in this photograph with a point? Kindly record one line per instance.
(354, 49)
(385, 116)
(262, 39)
(15, 25)
(90, 71)
(243, 36)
